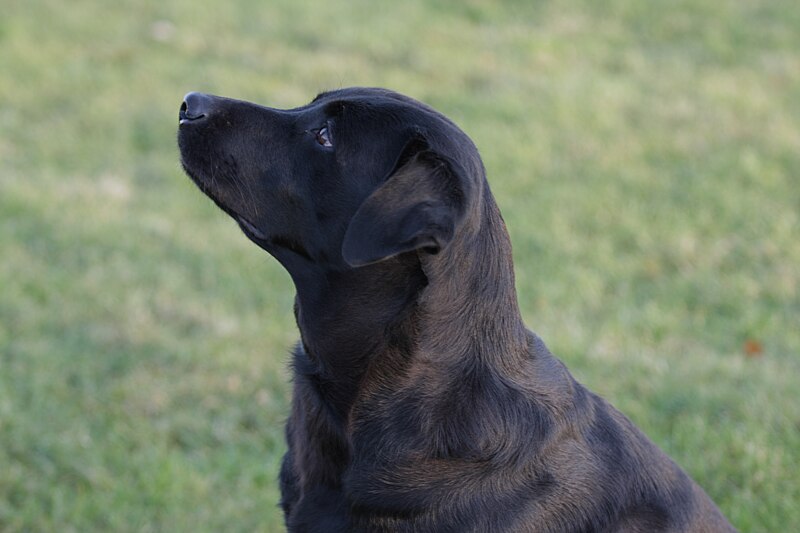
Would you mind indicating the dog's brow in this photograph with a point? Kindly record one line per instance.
(321, 95)
(335, 108)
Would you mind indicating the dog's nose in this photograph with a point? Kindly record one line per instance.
(194, 107)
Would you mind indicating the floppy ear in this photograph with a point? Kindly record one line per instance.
(417, 207)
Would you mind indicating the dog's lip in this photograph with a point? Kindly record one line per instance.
(250, 228)
(269, 243)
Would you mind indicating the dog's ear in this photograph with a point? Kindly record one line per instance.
(417, 207)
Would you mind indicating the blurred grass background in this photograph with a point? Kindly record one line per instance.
(645, 155)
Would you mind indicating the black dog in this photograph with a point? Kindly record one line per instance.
(421, 402)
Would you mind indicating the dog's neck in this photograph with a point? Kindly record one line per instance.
(438, 306)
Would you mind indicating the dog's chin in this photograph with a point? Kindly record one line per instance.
(202, 184)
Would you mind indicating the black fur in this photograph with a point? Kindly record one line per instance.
(421, 402)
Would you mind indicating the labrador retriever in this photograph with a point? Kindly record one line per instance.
(421, 402)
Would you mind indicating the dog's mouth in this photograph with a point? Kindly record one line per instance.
(266, 242)
(250, 229)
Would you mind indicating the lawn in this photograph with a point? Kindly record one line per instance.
(646, 156)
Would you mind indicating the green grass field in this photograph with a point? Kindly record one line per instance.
(646, 156)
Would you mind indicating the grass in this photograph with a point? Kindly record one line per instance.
(645, 155)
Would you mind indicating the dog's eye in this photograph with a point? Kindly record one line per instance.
(323, 136)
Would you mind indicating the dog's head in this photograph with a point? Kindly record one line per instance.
(356, 177)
